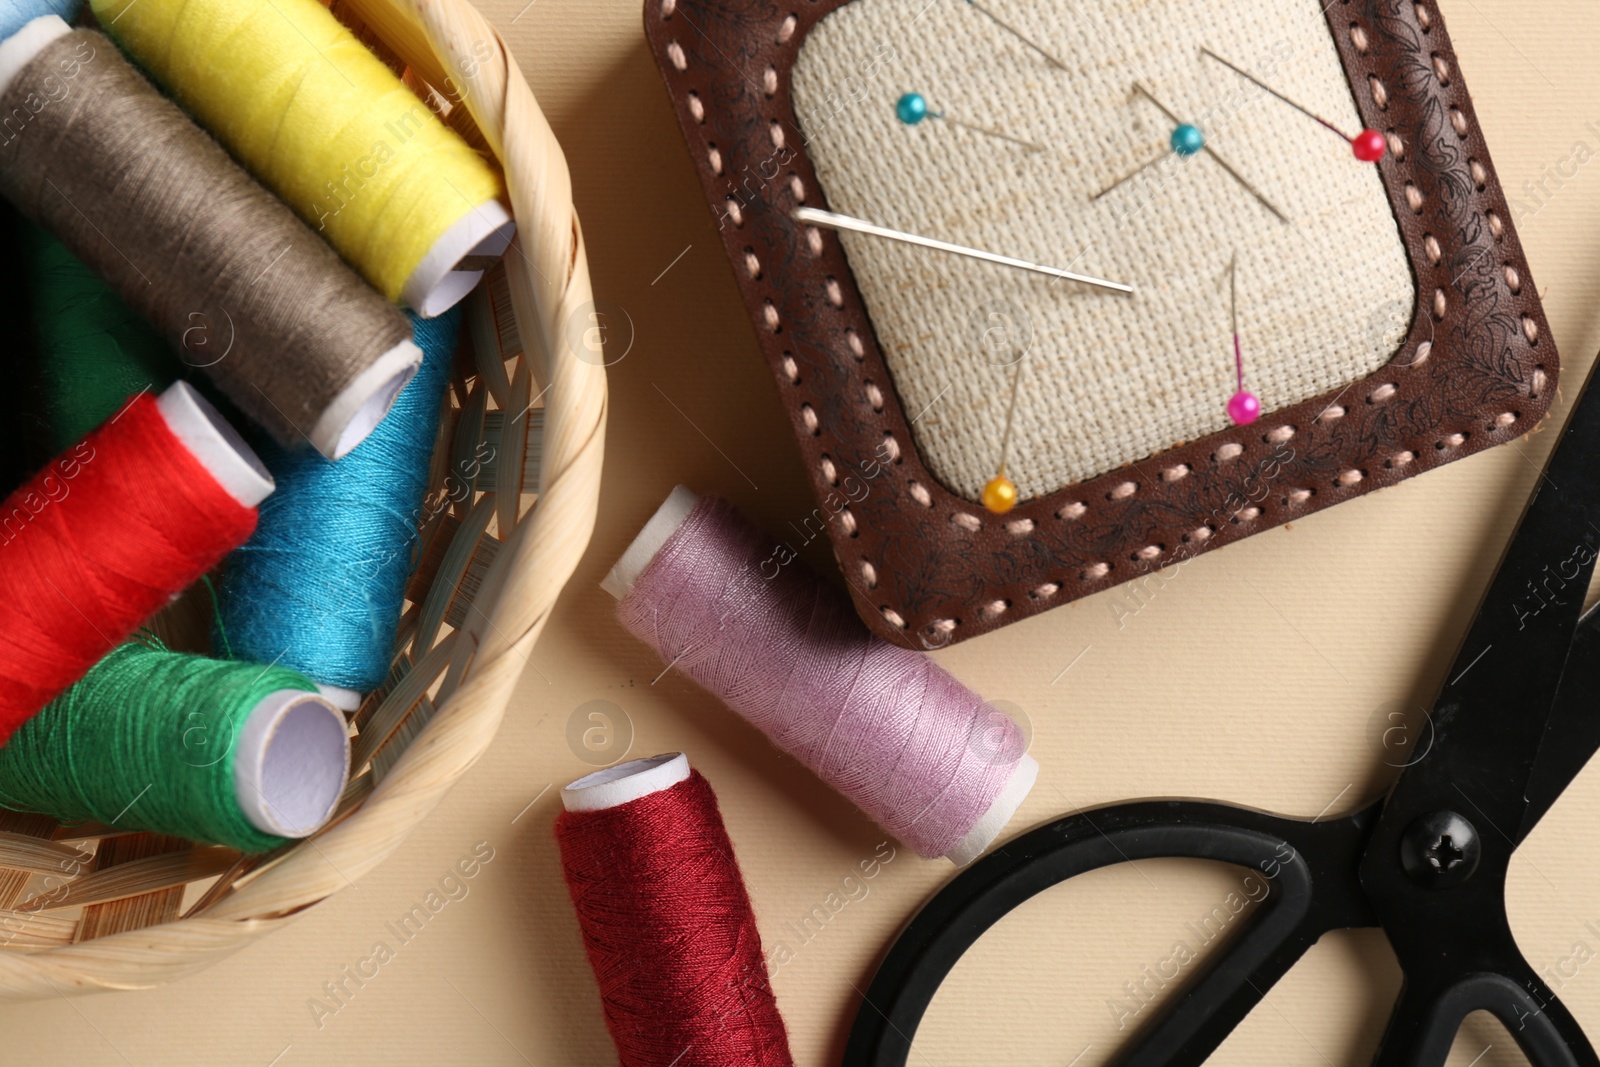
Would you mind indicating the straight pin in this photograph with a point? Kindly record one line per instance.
(1243, 407)
(1000, 492)
(912, 108)
(1128, 177)
(1369, 146)
(1187, 140)
(832, 221)
(1013, 31)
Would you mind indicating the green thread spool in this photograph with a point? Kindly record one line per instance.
(234, 754)
(22, 405)
(93, 350)
(307, 348)
(97, 352)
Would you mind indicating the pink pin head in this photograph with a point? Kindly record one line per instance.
(1244, 408)
(1369, 145)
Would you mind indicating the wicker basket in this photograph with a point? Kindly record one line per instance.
(88, 909)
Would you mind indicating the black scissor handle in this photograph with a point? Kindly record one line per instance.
(1308, 865)
(1427, 1018)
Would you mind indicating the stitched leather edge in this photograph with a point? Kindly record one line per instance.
(927, 568)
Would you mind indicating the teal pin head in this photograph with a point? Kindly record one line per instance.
(911, 108)
(1187, 140)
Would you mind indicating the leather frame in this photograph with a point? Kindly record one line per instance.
(925, 567)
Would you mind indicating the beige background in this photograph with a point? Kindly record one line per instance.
(1254, 676)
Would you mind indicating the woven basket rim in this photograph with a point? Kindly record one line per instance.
(474, 669)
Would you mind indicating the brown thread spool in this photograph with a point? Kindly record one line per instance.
(228, 274)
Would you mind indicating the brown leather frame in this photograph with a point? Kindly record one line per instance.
(926, 567)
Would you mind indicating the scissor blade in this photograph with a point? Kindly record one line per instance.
(1491, 715)
(1573, 733)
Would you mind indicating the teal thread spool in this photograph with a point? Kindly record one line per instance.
(320, 585)
(15, 14)
(230, 753)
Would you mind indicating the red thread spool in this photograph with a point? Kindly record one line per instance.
(109, 532)
(666, 919)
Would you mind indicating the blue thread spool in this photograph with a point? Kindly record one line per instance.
(15, 14)
(319, 586)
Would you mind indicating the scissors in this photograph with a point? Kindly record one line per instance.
(1516, 721)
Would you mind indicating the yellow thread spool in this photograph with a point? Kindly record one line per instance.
(323, 123)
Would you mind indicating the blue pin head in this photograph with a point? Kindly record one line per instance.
(1188, 140)
(911, 108)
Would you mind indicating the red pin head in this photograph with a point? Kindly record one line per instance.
(1370, 146)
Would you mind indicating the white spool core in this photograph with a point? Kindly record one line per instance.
(436, 285)
(211, 440)
(432, 289)
(662, 525)
(357, 410)
(619, 583)
(19, 49)
(987, 828)
(625, 782)
(340, 697)
(291, 763)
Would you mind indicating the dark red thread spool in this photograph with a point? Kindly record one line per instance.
(109, 532)
(666, 920)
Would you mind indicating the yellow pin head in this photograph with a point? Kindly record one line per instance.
(1000, 495)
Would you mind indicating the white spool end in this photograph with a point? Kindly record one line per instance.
(18, 50)
(213, 441)
(625, 782)
(340, 697)
(356, 411)
(456, 261)
(987, 828)
(291, 763)
(662, 525)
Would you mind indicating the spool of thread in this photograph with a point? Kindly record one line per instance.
(109, 532)
(320, 585)
(918, 752)
(15, 14)
(23, 410)
(94, 351)
(666, 919)
(401, 196)
(227, 275)
(233, 754)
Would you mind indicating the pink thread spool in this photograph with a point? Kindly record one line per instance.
(913, 748)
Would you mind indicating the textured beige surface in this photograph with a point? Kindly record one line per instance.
(1107, 379)
(1254, 676)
